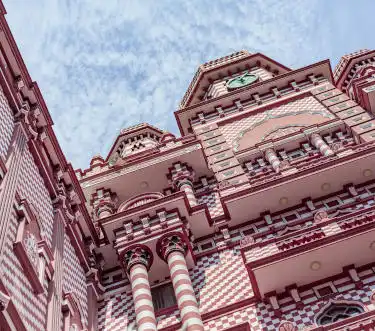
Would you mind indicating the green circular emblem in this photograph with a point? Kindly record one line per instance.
(240, 81)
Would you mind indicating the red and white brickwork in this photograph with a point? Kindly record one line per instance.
(187, 303)
(220, 279)
(142, 299)
(262, 316)
(116, 312)
(6, 124)
(212, 201)
(31, 187)
(74, 280)
(31, 307)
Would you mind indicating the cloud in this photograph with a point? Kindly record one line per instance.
(106, 65)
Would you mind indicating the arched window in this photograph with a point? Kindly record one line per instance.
(337, 312)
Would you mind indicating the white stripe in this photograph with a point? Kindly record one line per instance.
(176, 257)
(140, 281)
(183, 287)
(137, 270)
(177, 267)
(187, 297)
(146, 326)
(140, 292)
(145, 313)
(142, 302)
(180, 277)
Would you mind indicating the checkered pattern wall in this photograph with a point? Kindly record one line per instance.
(116, 312)
(220, 280)
(213, 203)
(32, 308)
(262, 317)
(74, 280)
(31, 187)
(6, 124)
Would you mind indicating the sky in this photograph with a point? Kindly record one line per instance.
(103, 65)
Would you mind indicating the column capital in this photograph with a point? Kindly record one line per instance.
(171, 242)
(181, 173)
(104, 203)
(137, 254)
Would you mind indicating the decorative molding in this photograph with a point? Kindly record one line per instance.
(140, 200)
(268, 116)
(27, 246)
(172, 242)
(136, 254)
(287, 326)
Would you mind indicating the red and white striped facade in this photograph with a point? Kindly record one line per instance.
(260, 216)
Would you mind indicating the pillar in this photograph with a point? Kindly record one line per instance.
(137, 260)
(187, 186)
(172, 249)
(182, 178)
(273, 159)
(320, 144)
(55, 288)
(104, 202)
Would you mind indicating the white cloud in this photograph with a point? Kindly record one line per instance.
(105, 65)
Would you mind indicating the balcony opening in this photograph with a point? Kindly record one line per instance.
(163, 297)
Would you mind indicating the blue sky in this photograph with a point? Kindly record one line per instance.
(105, 65)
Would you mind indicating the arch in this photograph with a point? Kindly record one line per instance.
(296, 117)
(282, 130)
(336, 311)
(140, 200)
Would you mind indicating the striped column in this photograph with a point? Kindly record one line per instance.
(273, 159)
(320, 144)
(137, 261)
(173, 250)
(182, 177)
(187, 186)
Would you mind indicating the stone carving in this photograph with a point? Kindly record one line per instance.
(31, 248)
(139, 254)
(170, 243)
(287, 326)
(245, 241)
(320, 216)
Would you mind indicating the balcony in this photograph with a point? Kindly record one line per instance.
(312, 176)
(311, 253)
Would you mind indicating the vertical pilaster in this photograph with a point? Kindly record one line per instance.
(137, 260)
(320, 144)
(55, 289)
(173, 249)
(8, 186)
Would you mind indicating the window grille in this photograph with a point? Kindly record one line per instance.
(337, 312)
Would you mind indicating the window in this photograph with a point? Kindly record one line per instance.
(30, 247)
(163, 296)
(324, 289)
(337, 312)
